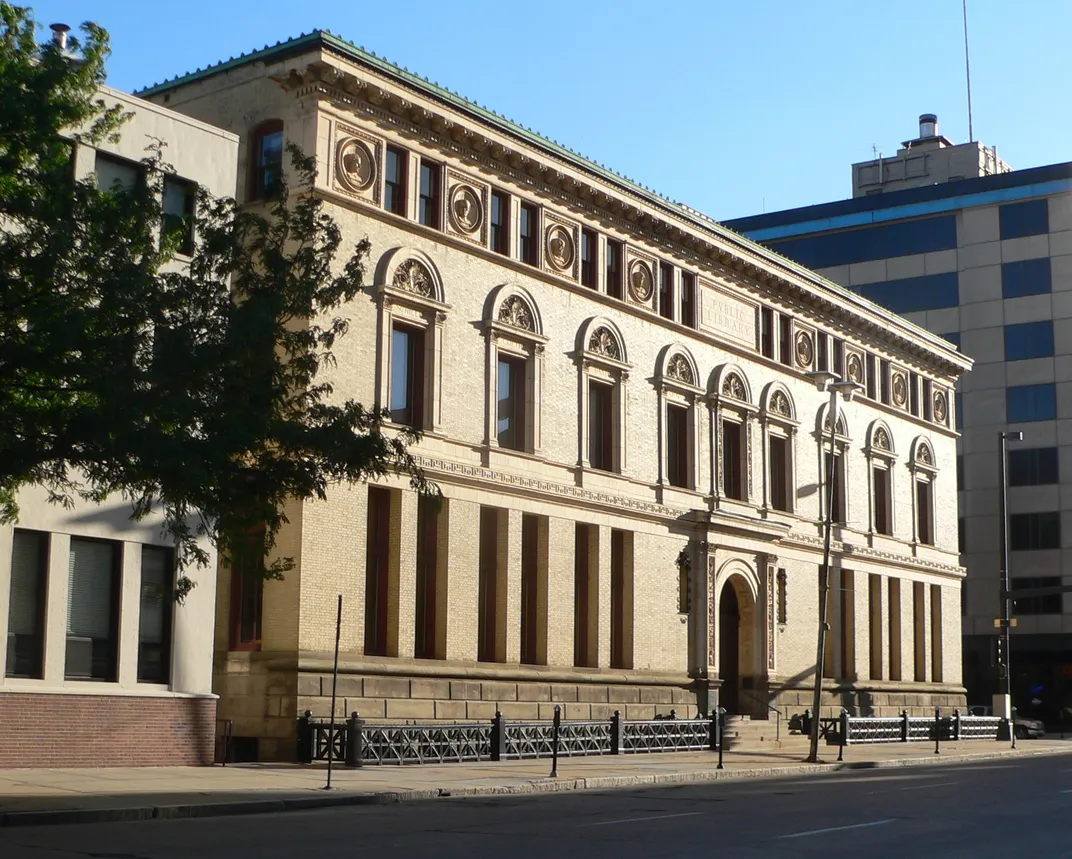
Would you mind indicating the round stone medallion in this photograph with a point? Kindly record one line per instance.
(355, 166)
(900, 389)
(804, 349)
(641, 285)
(559, 247)
(466, 212)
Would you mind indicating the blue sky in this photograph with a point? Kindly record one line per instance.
(730, 107)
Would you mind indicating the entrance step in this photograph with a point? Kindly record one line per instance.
(744, 733)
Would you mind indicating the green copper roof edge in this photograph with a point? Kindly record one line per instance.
(352, 51)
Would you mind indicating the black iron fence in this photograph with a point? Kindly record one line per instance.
(357, 743)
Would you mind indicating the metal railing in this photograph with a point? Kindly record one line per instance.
(416, 744)
(770, 708)
(665, 735)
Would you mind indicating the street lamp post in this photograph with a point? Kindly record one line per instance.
(826, 380)
(1003, 700)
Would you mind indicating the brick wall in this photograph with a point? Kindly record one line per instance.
(103, 731)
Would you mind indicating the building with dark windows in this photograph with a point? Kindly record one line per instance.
(618, 400)
(954, 240)
(98, 665)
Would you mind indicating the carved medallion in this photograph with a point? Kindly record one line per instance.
(412, 276)
(924, 455)
(515, 312)
(466, 212)
(779, 404)
(354, 165)
(941, 407)
(733, 387)
(900, 389)
(881, 440)
(602, 342)
(560, 247)
(641, 285)
(856, 368)
(679, 368)
(804, 349)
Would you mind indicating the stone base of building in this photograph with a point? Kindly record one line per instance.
(871, 699)
(59, 730)
(263, 695)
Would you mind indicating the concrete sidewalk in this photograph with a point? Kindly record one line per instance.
(51, 796)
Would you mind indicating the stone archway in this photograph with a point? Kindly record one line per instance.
(736, 645)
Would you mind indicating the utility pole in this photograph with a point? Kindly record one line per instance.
(1002, 705)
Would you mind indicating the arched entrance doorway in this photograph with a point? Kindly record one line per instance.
(736, 644)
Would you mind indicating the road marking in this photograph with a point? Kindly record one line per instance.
(926, 786)
(639, 819)
(839, 828)
(1066, 791)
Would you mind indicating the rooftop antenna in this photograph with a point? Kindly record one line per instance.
(967, 72)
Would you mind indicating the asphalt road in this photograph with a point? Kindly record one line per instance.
(999, 808)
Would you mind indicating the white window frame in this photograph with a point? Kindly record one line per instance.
(778, 419)
(677, 384)
(728, 402)
(604, 360)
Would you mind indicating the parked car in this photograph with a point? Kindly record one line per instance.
(1023, 727)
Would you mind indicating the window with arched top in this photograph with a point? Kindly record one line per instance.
(779, 428)
(733, 414)
(514, 377)
(677, 387)
(924, 469)
(834, 469)
(881, 457)
(413, 313)
(266, 145)
(604, 374)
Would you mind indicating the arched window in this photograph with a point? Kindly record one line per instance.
(677, 385)
(265, 159)
(839, 506)
(779, 426)
(924, 470)
(881, 455)
(604, 373)
(731, 424)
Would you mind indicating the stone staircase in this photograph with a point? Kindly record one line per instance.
(745, 734)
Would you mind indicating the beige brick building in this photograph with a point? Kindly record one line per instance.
(616, 400)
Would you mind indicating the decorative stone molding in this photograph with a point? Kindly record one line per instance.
(924, 455)
(805, 350)
(733, 387)
(466, 211)
(413, 276)
(941, 408)
(561, 250)
(603, 342)
(881, 440)
(779, 404)
(641, 283)
(515, 312)
(355, 165)
(679, 369)
(899, 389)
(855, 367)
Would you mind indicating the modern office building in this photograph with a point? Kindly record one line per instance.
(618, 402)
(954, 240)
(99, 666)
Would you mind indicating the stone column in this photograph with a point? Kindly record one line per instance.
(510, 565)
(561, 535)
(463, 527)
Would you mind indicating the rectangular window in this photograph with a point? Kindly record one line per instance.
(913, 394)
(822, 361)
(1029, 340)
(428, 211)
(1026, 277)
(394, 185)
(489, 647)
(1025, 403)
(1030, 218)
(533, 618)
(677, 446)
(154, 621)
(1049, 604)
(894, 588)
(585, 594)
(529, 244)
(874, 625)
(1035, 531)
(118, 174)
(500, 222)
(267, 161)
(732, 459)
(919, 632)
(688, 299)
(962, 537)
(510, 417)
(881, 483)
(870, 388)
(614, 268)
(1036, 466)
(378, 572)
(666, 290)
(589, 244)
(600, 426)
(914, 294)
(426, 638)
(26, 606)
(785, 340)
(247, 592)
(407, 376)
(847, 625)
(928, 400)
(93, 611)
(621, 599)
(924, 513)
(779, 473)
(178, 213)
(839, 357)
(837, 506)
(884, 381)
(936, 634)
(904, 238)
(766, 332)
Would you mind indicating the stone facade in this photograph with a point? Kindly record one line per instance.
(618, 405)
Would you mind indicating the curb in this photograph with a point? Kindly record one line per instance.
(55, 817)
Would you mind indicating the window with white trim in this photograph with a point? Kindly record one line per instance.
(779, 432)
(515, 348)
(881, 457)
(676, 380)
(603, 378)
(924, 473)
(732, 423)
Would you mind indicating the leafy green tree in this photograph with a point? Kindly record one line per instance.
(190, 388)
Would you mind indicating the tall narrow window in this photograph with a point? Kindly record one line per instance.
(621, 599)
(874, 625)
(688, 299)
(426, 645)
(766, 336)
(884, 381)
(869, 386)
(936, 634)
(589, 241)
(600, 426)
(732, 460)
(428, 213)
(26, 606)
(529, 244)
(490, 597)
(779, 472)
(394, 185)
(919, 632)
(511, 406)
(500, 222)
(266, 160)
(154, 621)
(378, 571)
(677, 446)
(880, 477)
(839, 357)
(407, 376)
(585, 595)
(837, 507)
(822, 359)
(247, 591)
(178, 213)
(785, 339)
(614, 268)
(913, 393)
(531, 602)
(847, 625)
(93, 611)
(924, 513)
(894, 588)
(666, 290)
